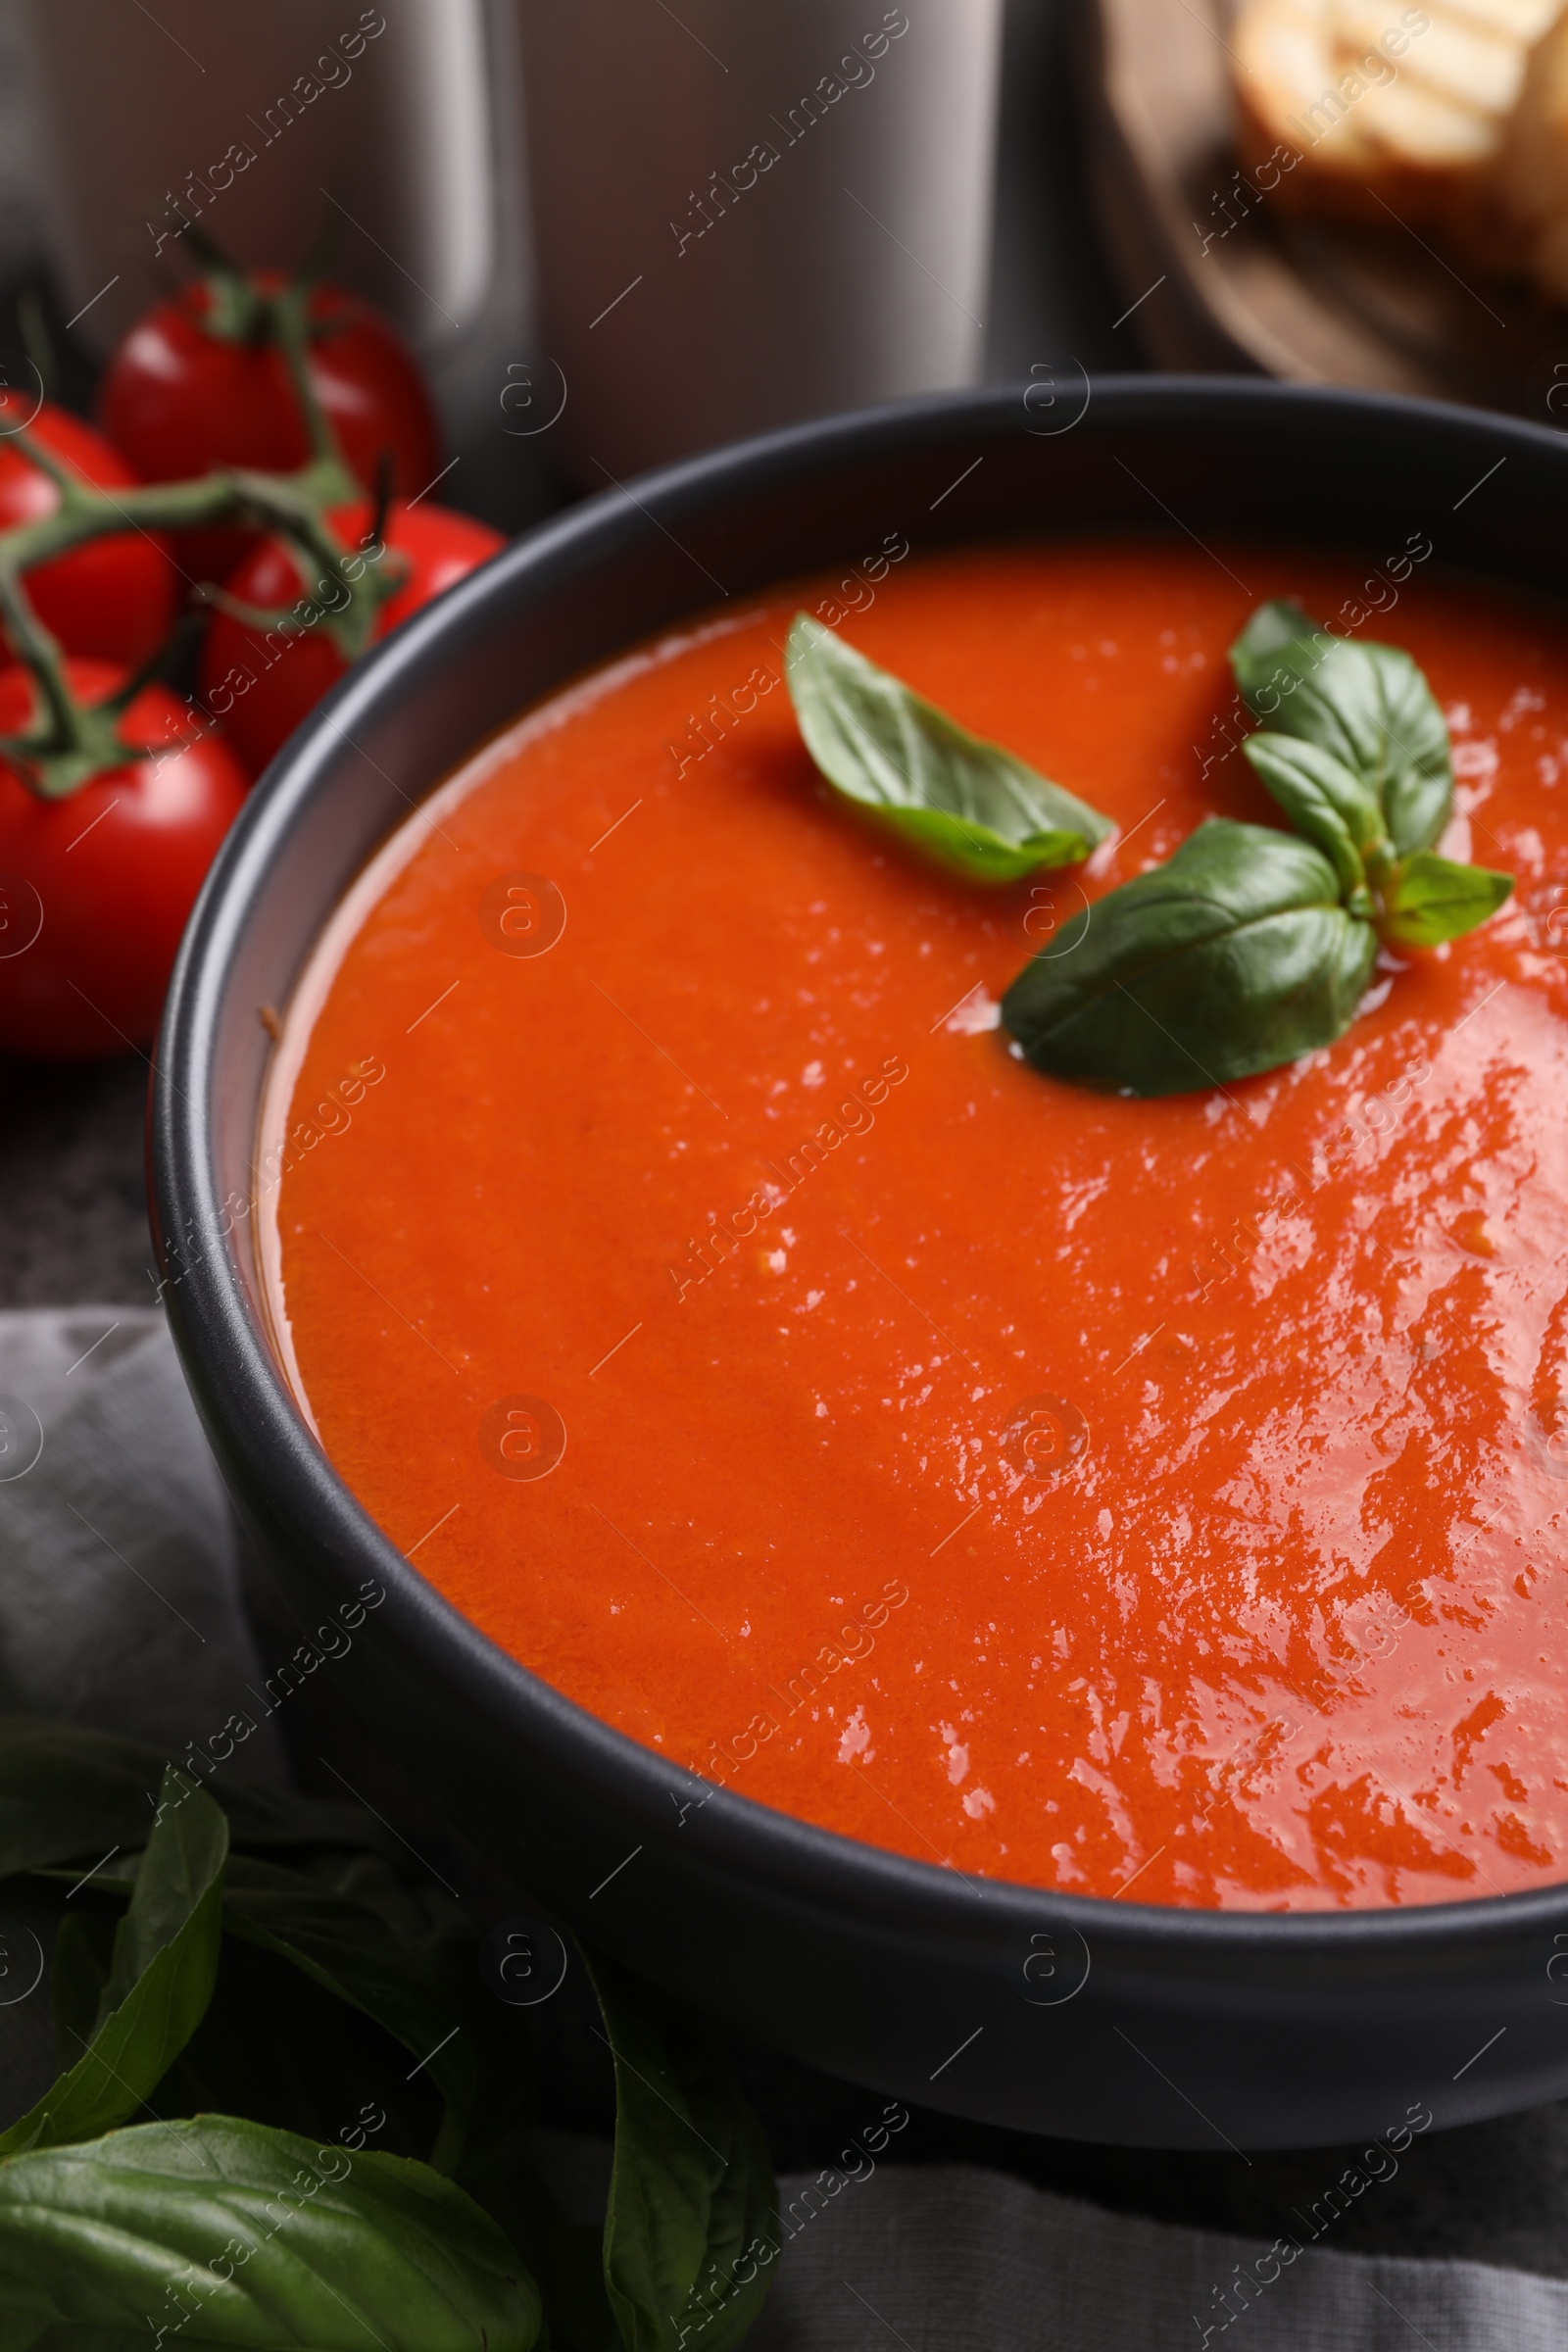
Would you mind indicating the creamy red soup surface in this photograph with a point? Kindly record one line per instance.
(1147, 1497)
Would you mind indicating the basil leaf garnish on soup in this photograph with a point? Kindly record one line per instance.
(1433, 899)
(1367, 703)
(1250, 946)
(1329, 804)
(1234, 955)
(962, 799)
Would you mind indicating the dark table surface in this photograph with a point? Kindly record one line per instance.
(74, 1229)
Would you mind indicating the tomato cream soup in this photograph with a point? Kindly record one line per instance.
(1159, 1498)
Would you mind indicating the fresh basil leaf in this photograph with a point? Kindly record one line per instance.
(408, 1983)
(162, 1969)
(71, 1794)
(1369, 704)
(965, 801)
(692, 2228)
(1329, 804)
(1274, 628)
(1234, 956)
(222, 2232)
(1433, 899)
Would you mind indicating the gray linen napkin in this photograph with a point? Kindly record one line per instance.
(120, 1605)
(119, 1588)
(952, 2257)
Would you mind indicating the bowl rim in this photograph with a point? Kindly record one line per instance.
(244, 1392)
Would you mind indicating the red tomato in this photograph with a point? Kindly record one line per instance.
(262, 685)
(113, 598)
(180, 400)
(95, 888)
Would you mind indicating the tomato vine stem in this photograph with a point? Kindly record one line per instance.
(72, 740)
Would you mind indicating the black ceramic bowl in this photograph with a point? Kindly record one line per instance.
(1109, 2021)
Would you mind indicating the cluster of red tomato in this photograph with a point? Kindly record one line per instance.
(96, 884)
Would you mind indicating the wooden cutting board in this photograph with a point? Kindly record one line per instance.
(1222, 280)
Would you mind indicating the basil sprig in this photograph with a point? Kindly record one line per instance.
(1356, 753)
(1250, 947)
(288, 1982)
(964, 801)
(1367, 703)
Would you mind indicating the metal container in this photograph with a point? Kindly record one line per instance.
(265, 125)
(747, 214)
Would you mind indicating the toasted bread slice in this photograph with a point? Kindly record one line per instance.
(1477, 69)
(1523, 21)
(1289, 106)
(1388, 109)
